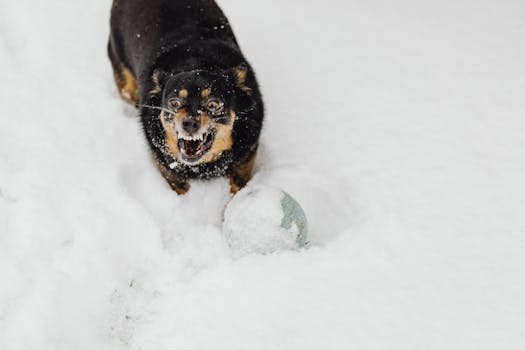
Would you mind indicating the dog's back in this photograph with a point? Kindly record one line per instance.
(152, 27)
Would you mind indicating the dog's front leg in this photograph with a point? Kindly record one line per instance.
(242, 173)
(181, 187)
(177, 184)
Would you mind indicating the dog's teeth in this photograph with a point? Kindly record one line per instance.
(192, 137)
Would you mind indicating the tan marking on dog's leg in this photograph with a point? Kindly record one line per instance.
(242, 173)
(178, 185)
(127, 85)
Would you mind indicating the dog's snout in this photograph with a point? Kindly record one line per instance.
(191, 125)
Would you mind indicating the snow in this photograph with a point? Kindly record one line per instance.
(398, 126)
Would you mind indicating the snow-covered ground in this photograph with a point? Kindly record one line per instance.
(399, 125)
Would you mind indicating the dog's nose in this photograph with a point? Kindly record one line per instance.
(190, 125)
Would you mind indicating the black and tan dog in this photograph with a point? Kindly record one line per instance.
(199, 103)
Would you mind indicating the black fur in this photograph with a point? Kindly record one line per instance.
(185, 41)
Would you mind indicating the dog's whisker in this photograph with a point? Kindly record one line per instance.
(158, 108)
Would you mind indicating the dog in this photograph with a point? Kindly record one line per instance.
(198, 99)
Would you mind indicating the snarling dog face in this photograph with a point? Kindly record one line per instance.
(199, 112)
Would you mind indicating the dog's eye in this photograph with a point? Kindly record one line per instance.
(175, 103)
(214, 105)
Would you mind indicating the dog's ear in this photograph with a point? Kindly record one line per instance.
(156, 86)
(240, 74)
(158, 79)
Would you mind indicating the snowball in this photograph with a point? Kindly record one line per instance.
(262, 219)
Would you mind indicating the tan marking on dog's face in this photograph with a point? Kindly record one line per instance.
(183, 94)
(170, 135)
(223, 141)
(205, 93)
(180, 115)
(205, 121)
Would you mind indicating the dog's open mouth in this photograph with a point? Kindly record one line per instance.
(192, 148)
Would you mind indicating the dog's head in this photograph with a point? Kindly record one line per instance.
(198, 112)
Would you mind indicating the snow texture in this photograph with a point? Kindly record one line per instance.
(398, 125)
